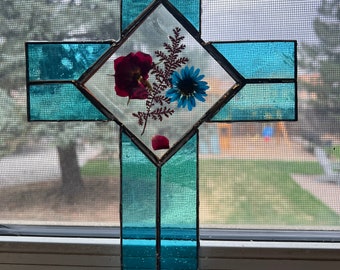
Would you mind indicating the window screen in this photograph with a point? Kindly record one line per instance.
(259, 174)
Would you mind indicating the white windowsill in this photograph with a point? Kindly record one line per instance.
(203, 243)
(103, 253)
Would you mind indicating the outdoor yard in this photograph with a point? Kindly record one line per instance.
(241, 188)
(260, 192)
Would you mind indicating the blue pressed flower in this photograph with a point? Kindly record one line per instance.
(187, 86)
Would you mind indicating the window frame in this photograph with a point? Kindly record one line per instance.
(44, 245)
(206, 234)
(43, 252)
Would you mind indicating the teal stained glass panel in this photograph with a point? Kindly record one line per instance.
(260, 59)
(179, 217)
(61, 61)
(256, 102)
(59, 102)
(138, 218)
(131, 9)
(190, 9)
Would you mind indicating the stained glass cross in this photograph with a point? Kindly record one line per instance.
(159, 83)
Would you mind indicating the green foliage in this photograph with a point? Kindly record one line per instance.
(323, 59)
(41, 20)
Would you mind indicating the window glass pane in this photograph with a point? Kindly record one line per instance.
(252, 175)
(270, 174)
(55, 173)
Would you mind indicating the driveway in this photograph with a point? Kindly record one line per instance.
(38, 166)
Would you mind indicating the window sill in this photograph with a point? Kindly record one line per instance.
(27, 252)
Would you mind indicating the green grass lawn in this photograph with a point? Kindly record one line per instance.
(334, 151)
(100, 167)
(254, 192)
(249, 192)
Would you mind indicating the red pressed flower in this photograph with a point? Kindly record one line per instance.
(131, 74)
(160, 142)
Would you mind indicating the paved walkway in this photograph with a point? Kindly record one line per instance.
(328, 193)
(37, 166)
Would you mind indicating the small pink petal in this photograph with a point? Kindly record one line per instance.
(160, 142)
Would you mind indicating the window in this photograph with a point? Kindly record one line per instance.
(255, 177)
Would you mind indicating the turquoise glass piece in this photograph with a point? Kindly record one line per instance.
(256, 102)
(138, 202)
(131, 9)
(60, 102)
(261, 59)
(61, 61)
(190, 9)
(179, 217)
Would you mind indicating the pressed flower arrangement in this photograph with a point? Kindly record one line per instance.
(169, 85)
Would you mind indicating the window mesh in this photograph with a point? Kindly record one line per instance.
(252, 174)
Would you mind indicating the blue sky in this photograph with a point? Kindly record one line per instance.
(228, 20)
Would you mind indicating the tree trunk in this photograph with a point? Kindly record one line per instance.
(72, 181)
